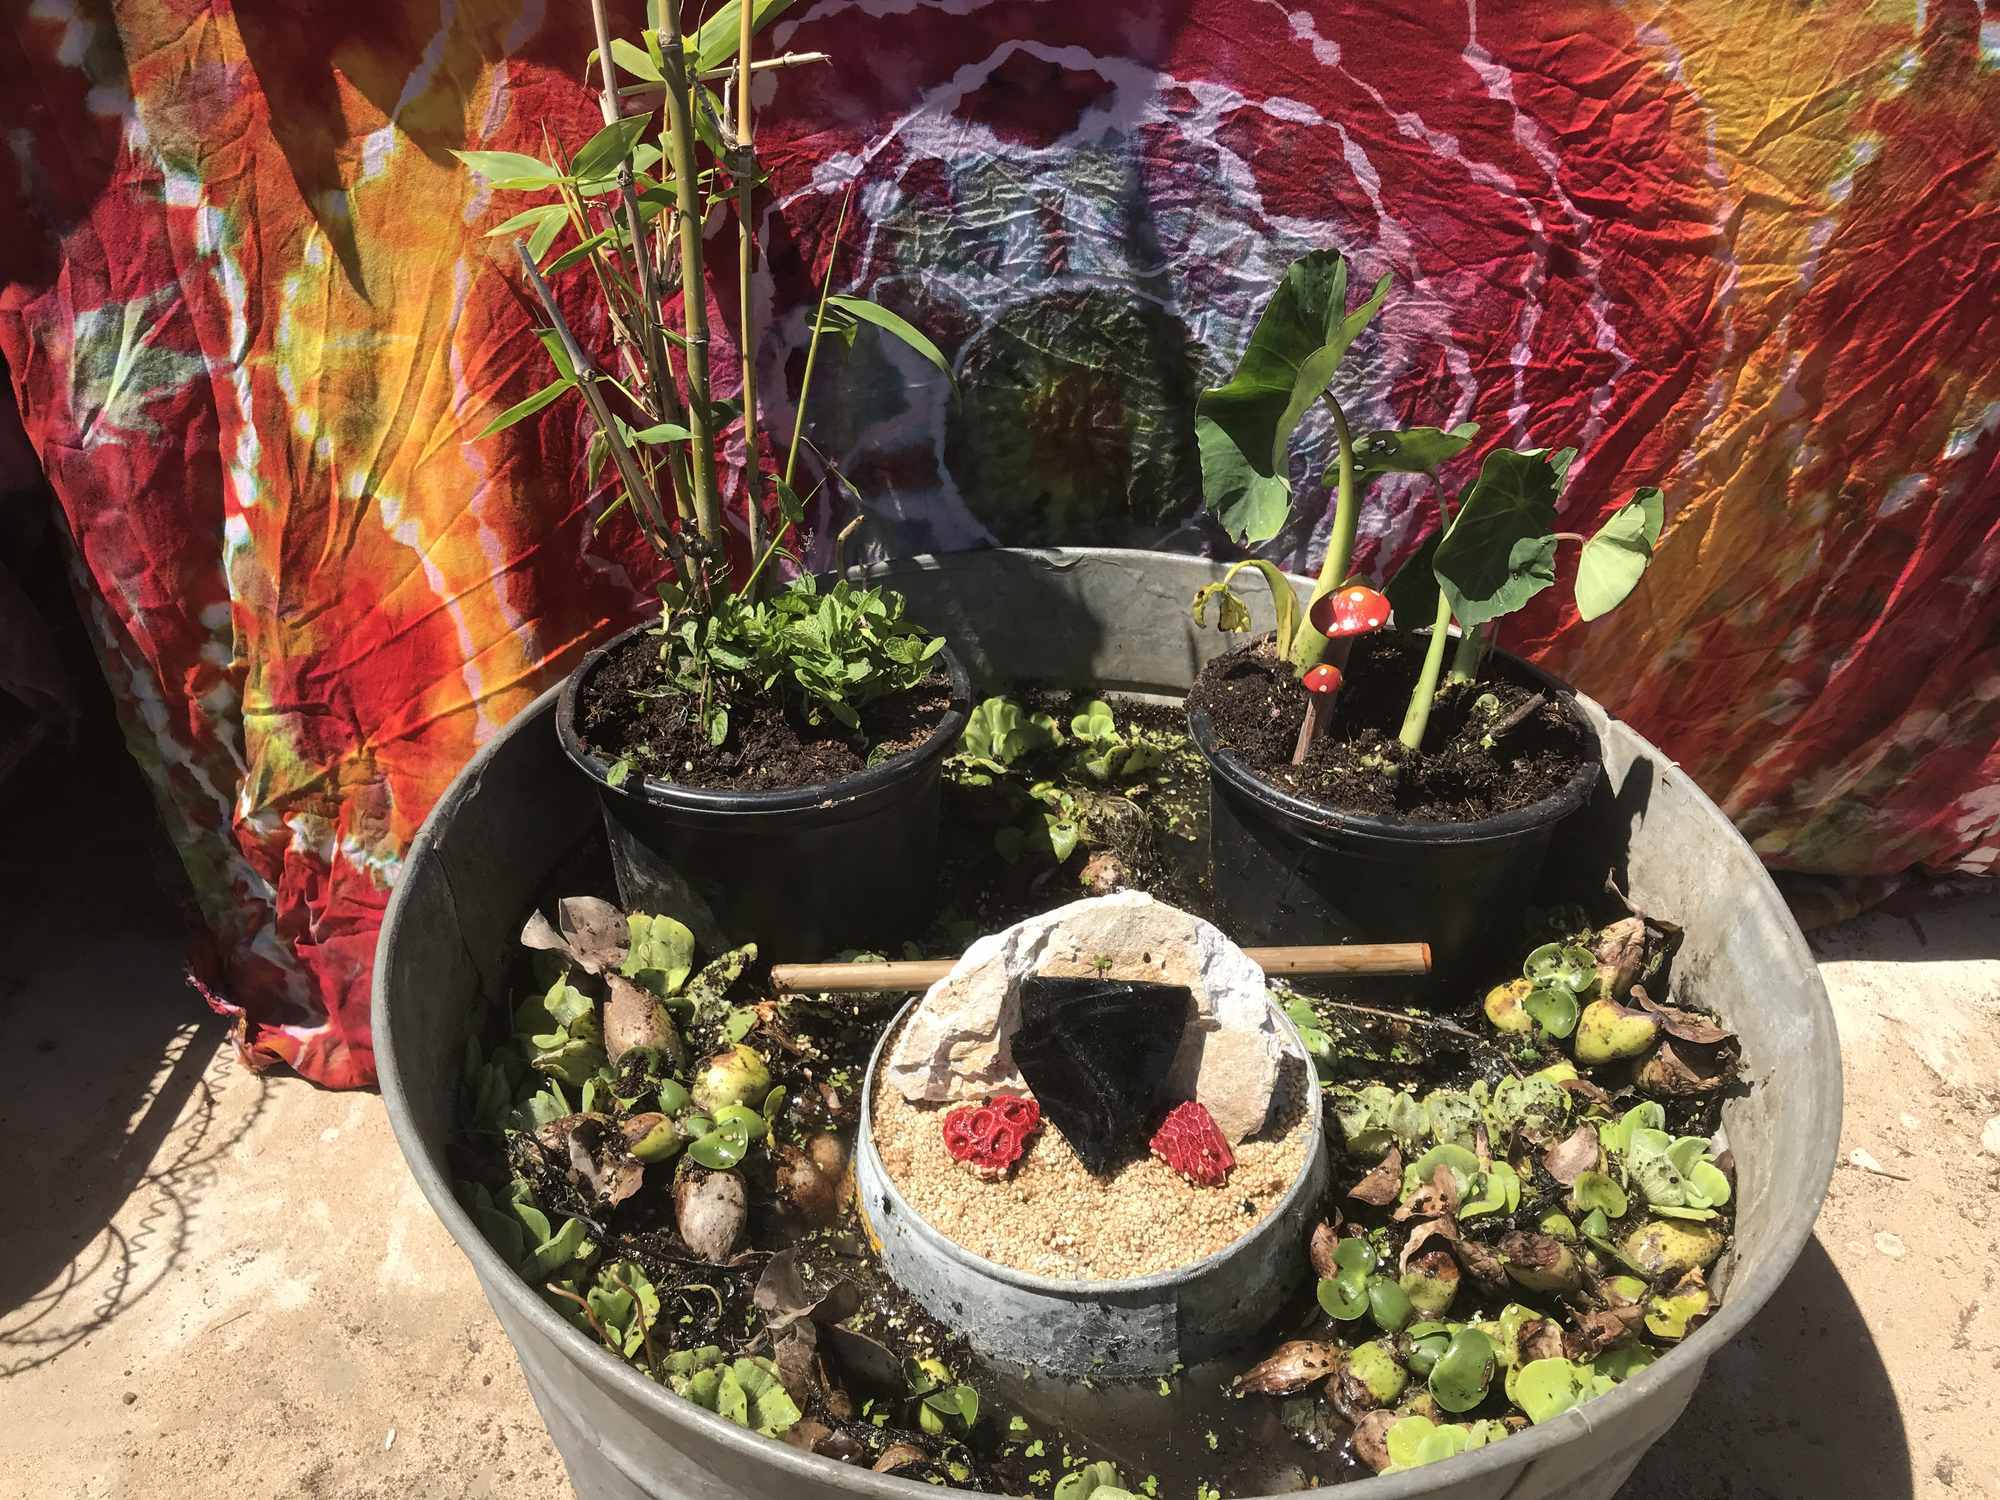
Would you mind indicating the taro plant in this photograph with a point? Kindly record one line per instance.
(1491, 553)
(624, 213)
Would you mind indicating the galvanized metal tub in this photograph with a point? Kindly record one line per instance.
(1118, 620)
(1141, 1326)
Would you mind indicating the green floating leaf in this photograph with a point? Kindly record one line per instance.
(1344, 1297)
(1615, 559)
(1554, 1009)
(1501, 549)
(1596, 1191)
(1244, 428)
(891, 323)
(659, 954)
(1546, 1388)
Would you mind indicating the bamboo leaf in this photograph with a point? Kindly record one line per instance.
(1614, 560)
(545, 235)
(888, 322)
(662, 432)
(510, 169)
(558, 355)
(634, 60)
(525, 408)
(540, 214)
(581, 249)
(602, 153)
(714, 42)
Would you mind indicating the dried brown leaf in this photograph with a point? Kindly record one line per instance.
(1383, 1182)
(1676, 1070)
(1688, 1025)
(1288, 1369)
(1572, 1156)
(1443, 1227)
(1482, 1263)
(1325, 1238)
(900, 1456)
(1371, 1439)
(1541, 1338)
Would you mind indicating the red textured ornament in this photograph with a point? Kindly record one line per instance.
(1188, 1141)
(989, 1138)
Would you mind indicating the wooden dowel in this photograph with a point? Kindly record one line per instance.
(922, 973)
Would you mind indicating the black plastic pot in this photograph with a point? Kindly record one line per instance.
(1291, 870)
(805, 870)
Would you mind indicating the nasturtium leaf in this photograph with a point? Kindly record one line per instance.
(891, 323)
(1501, 549)
(1244, 428)
(1613, 561)
(600, 155)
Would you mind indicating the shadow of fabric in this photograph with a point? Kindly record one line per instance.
(1800, 1404)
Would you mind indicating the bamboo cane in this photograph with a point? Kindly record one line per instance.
(922, 973)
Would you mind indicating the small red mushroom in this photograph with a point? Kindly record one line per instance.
(1322, 682)
(1340, 616)
(989, 1138)
(1189, 1143)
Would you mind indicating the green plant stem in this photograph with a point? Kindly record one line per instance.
(745, 165)
(1470, 655)
(1417, 717)
(694, 289)
(812, 344)
(659, 382)
(1309, 645)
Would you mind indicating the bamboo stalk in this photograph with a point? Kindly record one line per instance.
(716, 75)
(666, 408)
(694, 289)
(644, 498)
(745, 166)
(922, 973)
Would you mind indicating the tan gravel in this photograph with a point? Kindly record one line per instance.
(1052, 1218)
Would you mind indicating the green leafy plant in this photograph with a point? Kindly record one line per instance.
(943, 1404)
(1106, 753)
(613, 213)
(1490, 554)
(745, 1390)
(1098, 1481)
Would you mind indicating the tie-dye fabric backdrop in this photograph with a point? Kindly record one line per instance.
(1747, 249)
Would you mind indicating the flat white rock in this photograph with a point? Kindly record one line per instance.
(958, 1043)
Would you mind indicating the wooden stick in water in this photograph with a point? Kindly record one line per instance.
(922, 973)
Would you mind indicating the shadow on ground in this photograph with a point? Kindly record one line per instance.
(1800, 1404)
(107, 1079)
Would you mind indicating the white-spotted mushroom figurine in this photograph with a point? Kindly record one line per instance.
(1341, 616)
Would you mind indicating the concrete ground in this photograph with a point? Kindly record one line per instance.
(221, 1283)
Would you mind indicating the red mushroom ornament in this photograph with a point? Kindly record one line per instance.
(1189, 1142)
(1341, 617)
(989, 1138)
(1321, 683)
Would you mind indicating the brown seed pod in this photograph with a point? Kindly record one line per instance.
(710, 1210)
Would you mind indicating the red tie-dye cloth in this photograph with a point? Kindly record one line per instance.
(1749, 251)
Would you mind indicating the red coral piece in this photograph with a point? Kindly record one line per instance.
(989, 1138)
(1188, 1142)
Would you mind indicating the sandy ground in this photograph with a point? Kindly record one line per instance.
(220, 1283)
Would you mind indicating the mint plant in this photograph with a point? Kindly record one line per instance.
(624, 212)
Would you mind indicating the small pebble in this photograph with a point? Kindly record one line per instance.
(1911, 1122)
(130, 1397)
(1989, 1138)
(389, 1441)
(1889, 1244)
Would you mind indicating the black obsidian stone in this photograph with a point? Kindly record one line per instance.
(1097, 1053)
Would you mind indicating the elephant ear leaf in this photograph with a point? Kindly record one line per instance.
(1244, 428)
(1501, 549)
(1614, 560)
(1414, 450)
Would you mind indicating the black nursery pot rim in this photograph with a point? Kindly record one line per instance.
(854, 786)
(1230, 768)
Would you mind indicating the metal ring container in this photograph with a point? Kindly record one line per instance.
(1145, 1325)
(1117, 621)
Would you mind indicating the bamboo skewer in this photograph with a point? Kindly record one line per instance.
(922, 973)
